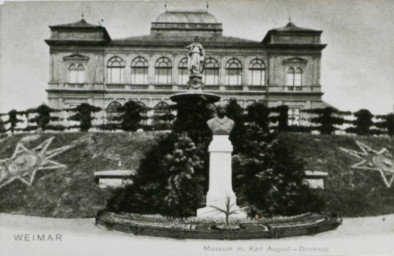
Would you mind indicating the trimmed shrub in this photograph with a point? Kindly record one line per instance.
(84, 115)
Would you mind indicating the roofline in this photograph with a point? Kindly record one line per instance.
(201, 23)
(81, 28)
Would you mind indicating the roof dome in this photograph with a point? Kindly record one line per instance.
(186, 16)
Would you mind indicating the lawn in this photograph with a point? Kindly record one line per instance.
(72, 192)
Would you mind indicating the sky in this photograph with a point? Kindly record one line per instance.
(357, 64)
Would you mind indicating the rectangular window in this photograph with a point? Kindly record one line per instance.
(289, 79)
(115, 75)
(81, 78)
(211, 77)
(257, 77)
(73, 77)
(139, 75)
(297, 79)
(163, 76)
(234, 77)
(183, 76)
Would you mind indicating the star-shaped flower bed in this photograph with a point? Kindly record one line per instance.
(381, 161)
(24, 163)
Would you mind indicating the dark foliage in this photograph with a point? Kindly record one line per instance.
(2, 127)
(169, 180)
(130, 117)
(13, 119)
(327, 118)
(386, 123)
(84, 115)
(282, 118)
(192, 117)
(268, 177)
(363, 122)
(43, 116)
(258, 113)
(235, 112)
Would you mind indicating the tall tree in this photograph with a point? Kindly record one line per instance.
(13, 119)
(327, 118)
(258, 113)
(43, 117)
(130, 117)
(84, 115)
(363, 122)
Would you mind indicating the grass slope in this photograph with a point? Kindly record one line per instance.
(349, 192)
(72, 192)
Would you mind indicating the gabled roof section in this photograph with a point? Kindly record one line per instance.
(292, 27)
(163, 39)
(79, 24)
(292, 34)
(186, 16)
(78, 32)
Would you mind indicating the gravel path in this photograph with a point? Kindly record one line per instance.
(26, 235)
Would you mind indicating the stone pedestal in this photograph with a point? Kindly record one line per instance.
(220, 192)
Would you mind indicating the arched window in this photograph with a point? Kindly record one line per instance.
(112, 110)
(163, 68)
(115, 67)
(139, 71)
(290, 77)
(257, 72)
(298, 77)
(73, 74)
(183, 73)
(211, 72)
(233, 72)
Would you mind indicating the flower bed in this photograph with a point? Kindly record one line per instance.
(193, 228)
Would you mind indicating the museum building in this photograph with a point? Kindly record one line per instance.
(87, 65)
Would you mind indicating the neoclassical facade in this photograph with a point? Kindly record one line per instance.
(87, 65)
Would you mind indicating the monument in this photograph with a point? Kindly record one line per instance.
(220, 192)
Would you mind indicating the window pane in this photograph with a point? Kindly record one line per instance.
(73, 76)
(257, 77)
(233, 77)
(163, 75)
(183, 76)
(80, 78)
(298, 79)
(139, 75)
(290, 79)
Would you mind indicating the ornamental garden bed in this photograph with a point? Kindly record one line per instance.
(194, 228)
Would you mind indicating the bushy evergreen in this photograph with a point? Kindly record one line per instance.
(387, 122)
(13, 119)
(43, 116)
(363, 123)
(268, 177)
(282, 117)
(84, 115)
(258, 113)
(130, 117)
(327, 118)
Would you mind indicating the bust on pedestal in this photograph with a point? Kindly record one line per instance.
(220, 193)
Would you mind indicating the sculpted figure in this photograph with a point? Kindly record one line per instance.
(221, 124)
(196, 56)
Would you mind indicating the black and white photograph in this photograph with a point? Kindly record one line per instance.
(197, 127)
